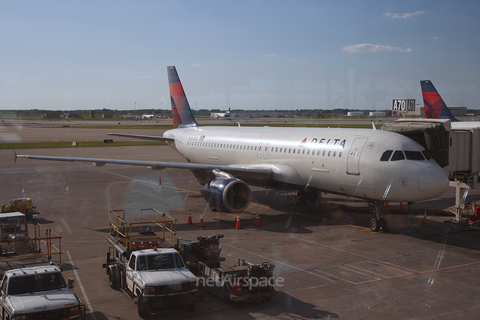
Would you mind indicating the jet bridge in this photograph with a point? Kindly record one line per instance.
(456, 151)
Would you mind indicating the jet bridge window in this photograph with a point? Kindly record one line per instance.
(398, 155)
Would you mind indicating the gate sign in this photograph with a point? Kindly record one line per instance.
(403, 105)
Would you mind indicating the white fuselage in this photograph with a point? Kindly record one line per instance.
(342, 161)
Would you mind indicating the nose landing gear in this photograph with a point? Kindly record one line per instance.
(377, 223)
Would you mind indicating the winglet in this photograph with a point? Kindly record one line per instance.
(15, 160)
(435, 107)
(181, 113)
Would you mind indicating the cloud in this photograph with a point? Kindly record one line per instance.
(271, 55)
(403, 15)
(372, 48)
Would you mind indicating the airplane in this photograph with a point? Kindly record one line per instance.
(374, 165)
(149, 116)
(436, 108)
(223, 115)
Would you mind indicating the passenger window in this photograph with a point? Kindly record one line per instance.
(323, 154)
(386, 155)
(340, 154)
(398, 155)
(329, 153)
(293, 150)
(334, 153)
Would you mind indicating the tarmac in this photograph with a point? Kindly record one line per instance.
(329, 263)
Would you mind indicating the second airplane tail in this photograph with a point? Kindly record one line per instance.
(181, 113)
(435, 107)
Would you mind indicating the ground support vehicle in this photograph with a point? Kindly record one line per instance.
(23, 205)
(244, 282)
(205, 249)
(32, 284)
(142, 262)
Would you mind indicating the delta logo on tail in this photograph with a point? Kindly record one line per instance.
(435, 107)
(181, 112)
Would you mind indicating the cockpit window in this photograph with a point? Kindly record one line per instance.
(386, 155)
(414, 155)
(426, 155)
(398, 155)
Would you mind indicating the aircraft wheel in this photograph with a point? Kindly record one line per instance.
(374, 224)
(383, 224)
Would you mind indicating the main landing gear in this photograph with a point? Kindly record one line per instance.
(377, 223)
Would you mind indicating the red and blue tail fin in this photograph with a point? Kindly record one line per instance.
(181, 113)
(435, 107)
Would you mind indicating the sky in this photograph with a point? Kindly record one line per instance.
(250, 54)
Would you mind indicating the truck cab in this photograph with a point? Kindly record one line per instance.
(38, 293)
(159, 277)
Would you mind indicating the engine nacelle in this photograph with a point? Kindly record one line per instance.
(227, 195)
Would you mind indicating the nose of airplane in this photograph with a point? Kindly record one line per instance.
(432, 182)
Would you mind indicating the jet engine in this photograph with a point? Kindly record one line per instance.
(225, 193)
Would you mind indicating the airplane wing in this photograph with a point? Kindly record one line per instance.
(138, 136)
(263, 173)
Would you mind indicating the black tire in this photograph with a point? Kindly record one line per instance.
(374, 224)
(383, 224)
(142, 312)
(113, 278)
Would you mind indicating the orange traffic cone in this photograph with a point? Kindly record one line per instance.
(237, 226)
(258, 224)
(189, 217)
(401, 205)
(425, 220)
(202, 224)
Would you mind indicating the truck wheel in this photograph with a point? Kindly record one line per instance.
(191, 307)
(142, 312)
(113, 278)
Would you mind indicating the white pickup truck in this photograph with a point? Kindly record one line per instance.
(158, 278)
(38, 293)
